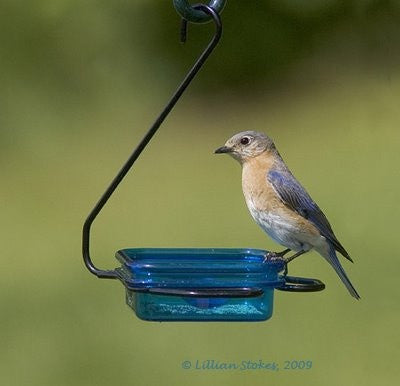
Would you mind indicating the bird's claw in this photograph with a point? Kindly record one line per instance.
(273, 256)
(277, 256)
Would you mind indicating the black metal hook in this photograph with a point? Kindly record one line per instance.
(193, 14)
(107, 274)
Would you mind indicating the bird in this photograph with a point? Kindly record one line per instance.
(280, 205)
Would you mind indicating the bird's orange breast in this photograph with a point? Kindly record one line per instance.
(261, 196)
(256, 187)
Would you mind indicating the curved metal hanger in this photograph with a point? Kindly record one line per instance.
(213, 15)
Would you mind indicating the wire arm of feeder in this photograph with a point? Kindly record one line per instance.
(111, 274)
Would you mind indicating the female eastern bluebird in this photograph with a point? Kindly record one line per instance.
(280, 205)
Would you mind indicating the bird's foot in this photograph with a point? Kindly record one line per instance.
(274, 256)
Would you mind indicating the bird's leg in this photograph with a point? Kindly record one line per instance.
(290, 258)
(276, 255)
(282, 253)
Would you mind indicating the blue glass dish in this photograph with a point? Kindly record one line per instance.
(199, 284)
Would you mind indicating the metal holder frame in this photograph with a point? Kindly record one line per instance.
(198, 13)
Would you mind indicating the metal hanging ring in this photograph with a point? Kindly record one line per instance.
(192, 14)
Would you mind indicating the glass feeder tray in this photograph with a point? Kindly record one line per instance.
(205, 284)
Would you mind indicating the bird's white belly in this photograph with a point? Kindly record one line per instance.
(283, 229)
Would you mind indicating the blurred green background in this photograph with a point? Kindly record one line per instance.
(80, 84)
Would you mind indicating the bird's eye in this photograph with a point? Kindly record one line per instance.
(245, 140)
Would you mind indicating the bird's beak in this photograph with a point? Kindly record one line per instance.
(223, 149)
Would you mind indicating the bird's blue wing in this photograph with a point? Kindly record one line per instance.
(297, 199)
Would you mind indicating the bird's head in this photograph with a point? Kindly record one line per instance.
(246, 145)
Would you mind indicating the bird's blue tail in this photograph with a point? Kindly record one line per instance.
(335, 263)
